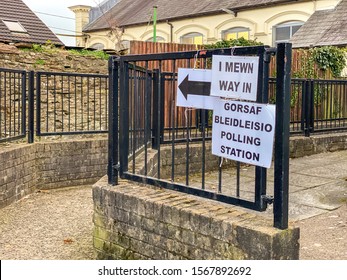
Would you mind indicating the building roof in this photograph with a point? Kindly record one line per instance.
(139, 12)
(26, 27)
(323, 28)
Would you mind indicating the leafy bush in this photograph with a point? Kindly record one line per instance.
(242, 42)
(330, 57)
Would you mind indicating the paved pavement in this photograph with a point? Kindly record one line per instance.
(57, 224)
(317, 184)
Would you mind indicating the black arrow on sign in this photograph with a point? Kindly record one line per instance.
(194, 87)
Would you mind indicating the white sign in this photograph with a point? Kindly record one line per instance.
(243, 131)
(235, 76)
(193, 88)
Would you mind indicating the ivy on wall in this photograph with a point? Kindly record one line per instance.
(330, 57)
(327, 59)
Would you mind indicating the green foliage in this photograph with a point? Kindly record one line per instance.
(307, 66)
(330, 57)
(232, 43)
(97, 54)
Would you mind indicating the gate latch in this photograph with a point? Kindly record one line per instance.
(267, 199)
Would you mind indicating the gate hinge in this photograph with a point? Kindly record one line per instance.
(116, 166)
(267, 199)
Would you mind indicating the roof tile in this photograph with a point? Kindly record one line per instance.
(37, 31)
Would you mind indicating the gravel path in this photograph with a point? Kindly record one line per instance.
(57, 225)
(50, 225)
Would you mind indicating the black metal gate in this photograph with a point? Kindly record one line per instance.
(144, 122)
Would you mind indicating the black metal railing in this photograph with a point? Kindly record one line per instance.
(12, 104)
(316, 105)
(71, 103)
(168, 128)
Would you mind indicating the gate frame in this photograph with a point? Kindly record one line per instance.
(119, 69)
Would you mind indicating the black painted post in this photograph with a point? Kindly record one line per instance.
(38, 104)
(123, 116)
(281, 187)
(112, 168)
(262, 97)
(31, 93)
(156, 110)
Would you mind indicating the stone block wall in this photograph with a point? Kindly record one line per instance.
(56, 61)
(25, 168)
(142, 222)
(17, 173)
(321, 143)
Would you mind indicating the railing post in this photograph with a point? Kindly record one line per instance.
(38, 104)
(31, 94)
(281, 184)
(123, 116)
(311, 117)
(156, 121)
(112, 168)
(262, 97)
(307, 107)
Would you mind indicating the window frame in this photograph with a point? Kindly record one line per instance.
(192, 35)
(15, 26)
(236, 30)
(289, 24)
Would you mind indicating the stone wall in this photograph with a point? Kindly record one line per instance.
(55, 61)
(143, 222)
(25, 168)
(317, 143)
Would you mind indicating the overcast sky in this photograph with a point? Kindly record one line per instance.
(60, 19)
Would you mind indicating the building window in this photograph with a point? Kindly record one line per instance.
(192, 38)
(283, 32)
(158, 38)
(235, 33)
(15, 26)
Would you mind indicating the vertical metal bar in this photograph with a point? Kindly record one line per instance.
(69, 102)
(1, 79)
(173, 154)
(22, 105)
(311, 106)
(88, 102)
(100, 102)
(220, 162)
(161, 96)
(303, 106)
(203, 163)
(5, 102)
(94, 103)
(112, 169)
(188, 118)
(156, 110)
(135, 105)
(55, 102)
(31, 93)
(82, 112)
(238, 168)
(281, 181)
(11, 109)
(262, 97)
(75, 95)
(308, 107)
(38, 104)
(62, 102)
(124, 116)
(147, 115)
